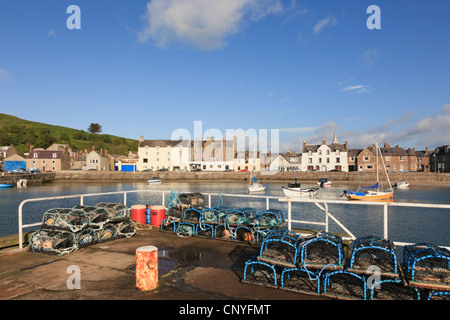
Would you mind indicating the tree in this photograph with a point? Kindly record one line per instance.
(95, 128)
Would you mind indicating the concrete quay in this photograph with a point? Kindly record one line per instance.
(191, 268)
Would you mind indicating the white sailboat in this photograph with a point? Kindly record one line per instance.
(255, 185)
(375, 192)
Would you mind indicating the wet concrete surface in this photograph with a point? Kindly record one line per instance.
(190, 268)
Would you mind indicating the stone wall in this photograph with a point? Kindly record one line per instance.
(241, 176)
(8, 178)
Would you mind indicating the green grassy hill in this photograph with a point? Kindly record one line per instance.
(23, 133)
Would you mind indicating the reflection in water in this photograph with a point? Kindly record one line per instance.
(405, 224)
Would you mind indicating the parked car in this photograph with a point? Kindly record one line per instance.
(19, 170)
(243, 170)
(34, 170)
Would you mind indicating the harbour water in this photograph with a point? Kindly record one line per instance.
(406, 224)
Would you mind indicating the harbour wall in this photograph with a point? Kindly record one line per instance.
(32, 178)
(241, 176)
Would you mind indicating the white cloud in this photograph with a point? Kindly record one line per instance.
(409, 130)
(322, 24)
(205, 24)
(369, 57)
(5, 75)
(356, 88)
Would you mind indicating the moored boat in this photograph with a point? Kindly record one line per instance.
(6, 185)
(295, 190)
(154, 180)
(375, 192)
(255, 185)
(401, 185)
(324, 182)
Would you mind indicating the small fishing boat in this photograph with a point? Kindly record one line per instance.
(295, 190)
(255, 185)
(401, 185)
(324, 182)
(154, 180)
(375, 192)
(6, 186)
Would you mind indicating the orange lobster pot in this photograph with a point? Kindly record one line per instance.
(147, 268)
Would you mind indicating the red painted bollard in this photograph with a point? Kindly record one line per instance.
(147, 268)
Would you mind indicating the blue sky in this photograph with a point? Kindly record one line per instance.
(308, 68)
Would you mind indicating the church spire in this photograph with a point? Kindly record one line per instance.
(335, 140)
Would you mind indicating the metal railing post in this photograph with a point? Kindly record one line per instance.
(289, 215)
(267, 203)
(385, 229)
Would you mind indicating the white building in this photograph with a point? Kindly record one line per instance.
(171, 155)
(325, 157)
(289, 161)
(213, 155)
(247, 160)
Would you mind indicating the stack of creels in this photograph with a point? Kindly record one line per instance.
(116, 211)
(53, 242)
(301, 280)
(324, 251)
(65, 219)
(392, 289)
(64, 230)
(427, 265)
(261, 273)
(371, 254)
(281, 247)
(344, 285)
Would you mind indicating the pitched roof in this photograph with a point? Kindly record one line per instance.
(159, 143)
(45, 154)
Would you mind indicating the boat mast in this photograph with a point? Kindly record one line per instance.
(376, 153)
(385, 169)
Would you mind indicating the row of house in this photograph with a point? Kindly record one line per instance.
(61, 157)
(211, 155)
(222, 155)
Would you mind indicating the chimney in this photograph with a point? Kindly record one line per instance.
(324, 141)
(141, 139)
(426, 149)
(304, 144)
(346, 145)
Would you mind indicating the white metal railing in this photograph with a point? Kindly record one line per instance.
(322, 204)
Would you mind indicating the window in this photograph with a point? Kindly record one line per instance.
(366, 158)
(35, 155)
(388, 158)
(55, 155)
(145, 160)
(328, 160)
(328, 152)
(309, 160)
(402, 158)
(338, 160)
